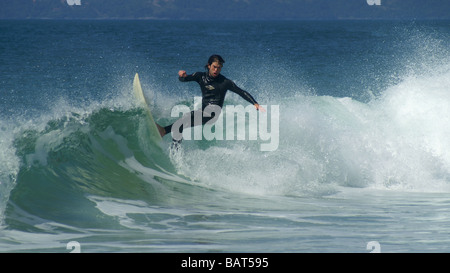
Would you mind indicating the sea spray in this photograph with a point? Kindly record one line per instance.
(9, 164)
(416, 116)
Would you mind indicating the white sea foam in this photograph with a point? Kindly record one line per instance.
(398, 141)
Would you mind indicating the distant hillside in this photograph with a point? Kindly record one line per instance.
(225, 9)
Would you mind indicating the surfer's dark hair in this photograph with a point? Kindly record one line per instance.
(215, 58)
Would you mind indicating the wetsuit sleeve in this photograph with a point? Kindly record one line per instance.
(244, 94)
(189, 78)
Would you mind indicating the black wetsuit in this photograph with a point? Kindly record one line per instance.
(213, 93)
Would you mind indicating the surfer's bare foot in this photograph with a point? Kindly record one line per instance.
(161, 130)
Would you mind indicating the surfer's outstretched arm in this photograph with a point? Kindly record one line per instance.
(244, 94)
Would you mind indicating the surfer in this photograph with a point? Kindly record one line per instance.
(214, 87)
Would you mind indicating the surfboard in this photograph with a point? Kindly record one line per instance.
(139, 95)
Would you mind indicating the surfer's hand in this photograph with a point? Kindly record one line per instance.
(260, 108)
(182, 74)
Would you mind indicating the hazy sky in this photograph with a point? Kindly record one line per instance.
(225, 9)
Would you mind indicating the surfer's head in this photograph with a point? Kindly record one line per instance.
(214, 65)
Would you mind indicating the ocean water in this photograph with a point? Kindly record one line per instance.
(362, 161)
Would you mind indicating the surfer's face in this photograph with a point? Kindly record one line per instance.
(214, 69)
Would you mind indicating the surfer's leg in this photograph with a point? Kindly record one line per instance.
(191, 119)
(186, 121)
(167, 129)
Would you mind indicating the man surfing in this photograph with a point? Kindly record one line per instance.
(214, 87)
